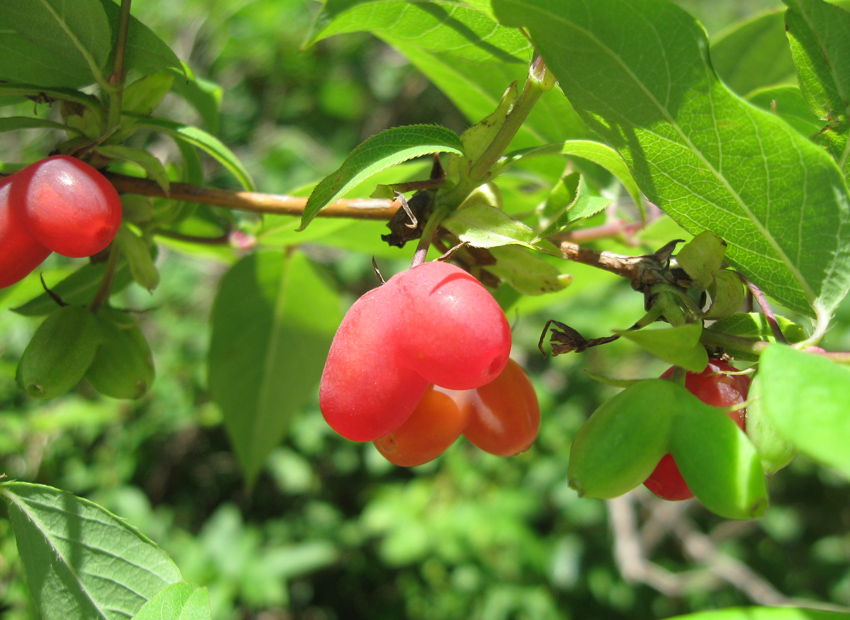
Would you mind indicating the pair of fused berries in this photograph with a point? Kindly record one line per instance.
(59, 204)
(420, 360)
(718, 385)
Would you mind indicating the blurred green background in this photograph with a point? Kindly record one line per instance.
(331, 531)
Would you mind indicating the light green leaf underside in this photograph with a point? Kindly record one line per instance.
(179, 601)
(272, 324)
(709, 159)
(386, 149)
(82, 562)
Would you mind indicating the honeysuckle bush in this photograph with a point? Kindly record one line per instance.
(691, 192)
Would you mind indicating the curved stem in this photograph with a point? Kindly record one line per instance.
(106, 284)
(428, 234)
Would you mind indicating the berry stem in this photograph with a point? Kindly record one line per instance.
(428, 235)
(106, 284)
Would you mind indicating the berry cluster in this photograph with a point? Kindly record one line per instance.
(59, 204)
(423, 359)
(713, 386)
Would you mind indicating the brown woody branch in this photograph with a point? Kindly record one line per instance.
(255, 202)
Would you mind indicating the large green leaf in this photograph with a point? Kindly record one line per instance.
(77, 33)
(21, 60)
(381, 151)
(819, 34)
(709, 159)
(474, 73)
(806, 397)
(272, 324)
(144, 52)
(82, 562)
(677, 345)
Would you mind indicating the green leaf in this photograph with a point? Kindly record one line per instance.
(754, 325)
(179, 601)
(609, 159)
(144, 52)
(151, 165)
(40, 93)
(709, 159)
(702, 257)
(139, 256)
(819, 34)
(774, 451)
(21, 60)
(199, 138)
(483, 226)
(203, 95)
(569, 201)
(526, 272)
(474, 84)
(788, 103)
(11, 123)
(678, 345)
(143, 95)
(386, 149)
(77, 33)
(764, 613)
(727, 295)
(273, 320)
(717, 461)
(753, 54)
(82, 562)
(622, 442)
(78, 288)
(806, 396)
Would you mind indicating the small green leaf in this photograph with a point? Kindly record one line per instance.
(608, 158)
(727, 295)
(11, 123)
(143, 95)
(805, 396)
(754, 325)
(622, 442)
(774, 451)
(139, 256)
(82, 562)
(154, 168)
(199, 138)
(678, 345)
(788, 103)
(388, 148)
(273, 320)
(179, 601)
(702, 257)
(60, 352)
(78, 288)
(123, 365)
(203, 95)
(483, 226)
(527, 273)
(718, 462)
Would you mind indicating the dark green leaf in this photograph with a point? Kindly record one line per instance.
(77, 33)
(21, 60)
(82, 562)
(145, 52)
(272, 324)
(11, 123)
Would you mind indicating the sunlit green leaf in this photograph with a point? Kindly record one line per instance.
(82, 562)
(179, 601)
(678, 345)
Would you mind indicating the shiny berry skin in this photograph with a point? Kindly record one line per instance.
(453, 331)
(365, 393)
(431, 324)
(504, 415)
(714, 388)
(19, 253)
(67, 206)
(433, 426)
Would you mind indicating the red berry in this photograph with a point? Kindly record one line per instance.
(67, 206)
(365, 393)
(504, 415)
(19, 253)
(433, 426)
(713, 387)
(451, 329)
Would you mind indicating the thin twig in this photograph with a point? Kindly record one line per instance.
(761, 300)
(254, 202)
